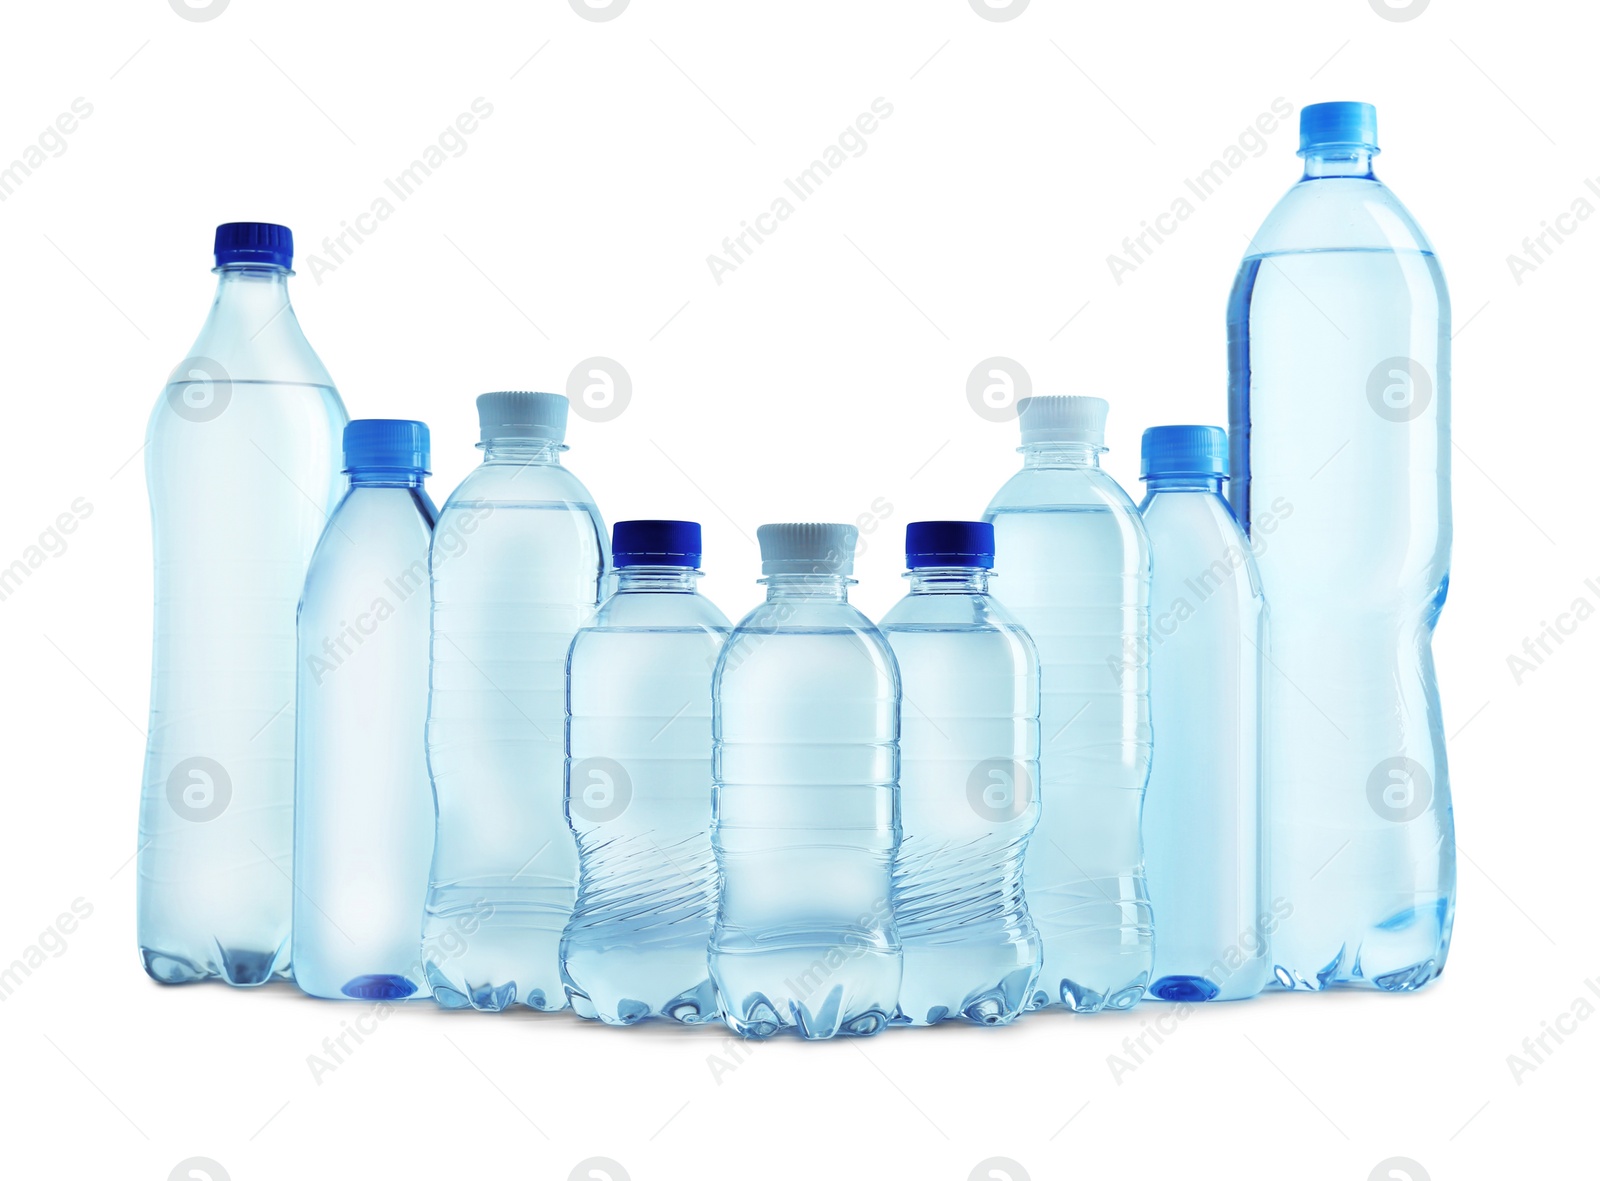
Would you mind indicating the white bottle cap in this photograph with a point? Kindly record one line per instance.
(807, 548)
(1063, 419)
(522, 414)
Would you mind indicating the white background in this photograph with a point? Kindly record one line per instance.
(827, 371)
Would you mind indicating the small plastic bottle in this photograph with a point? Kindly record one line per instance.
(1203, 819)
(519, 560)
(639, 785)
(806, 708)
(363, 814)
(969, 773)
(1077, 576)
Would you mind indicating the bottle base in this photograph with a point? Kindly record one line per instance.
(383, 986)
(238, 967)
(1329, 977)
(1076, 997)
(692, 1006)
(760, 1020)
(1400, 953)
(452, 992)
(996, 1004)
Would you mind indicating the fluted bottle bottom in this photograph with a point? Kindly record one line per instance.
(238, 966)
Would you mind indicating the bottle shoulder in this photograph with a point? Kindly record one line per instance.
(644, 610)
(1193, 535)
(1040, 503)
(1189, 513)
(964, 618)
(1339, 213)
(374, 528)
(828, 621)
(948, 611)
(383, 508)
(256, 337)
(512, 483)
(1065, 487)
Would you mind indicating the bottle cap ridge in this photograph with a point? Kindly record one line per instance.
(1338, 124)
(949, 543)
(656, 543)
(386, 445)
(522, 414)
(807, 548)
(260, 242)
(1184, 451)
(1063, 419)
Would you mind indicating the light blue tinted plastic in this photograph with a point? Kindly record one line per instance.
(1203, 822)
(363, 824)
(1074, 568)
(639, 801)
(1339, 372)
(806, 704)
(969, 750)
(518, 562)
(242, 460)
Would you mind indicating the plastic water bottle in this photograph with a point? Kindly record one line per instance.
(1203, 838)
(518, 563)
(969, 767)
(1339, 374)
(242, 462)
(806, 716)
(639, 786)
(363, 821)
(1077, 576)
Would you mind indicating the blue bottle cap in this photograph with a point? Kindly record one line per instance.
(258, 242)
(1329, 124)
(656, 543)
(949, 543)
(1184, 451)
(386, 445)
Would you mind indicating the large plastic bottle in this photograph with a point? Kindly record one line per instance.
(1077, 577)
(806, 709)
(639, 785)
(1203, 821)
(1339, 381)
(363, 817)
(242, 461)
(519, 560)
(969, 770)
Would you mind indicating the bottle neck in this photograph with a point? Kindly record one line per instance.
(682, 580)
(1186, 483)
(949, 580)
(255, 294)
(834, 587)
(1061, 454)
(386, 478)
(1339, 160)
(522, 452)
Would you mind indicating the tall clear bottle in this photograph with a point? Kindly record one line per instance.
(519, 561)
(1077, 576)
(1339, 383)
(363, 820)
(969, 772)
(806, 718)
(242, 463)
(639, 786)
(1203, 821)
